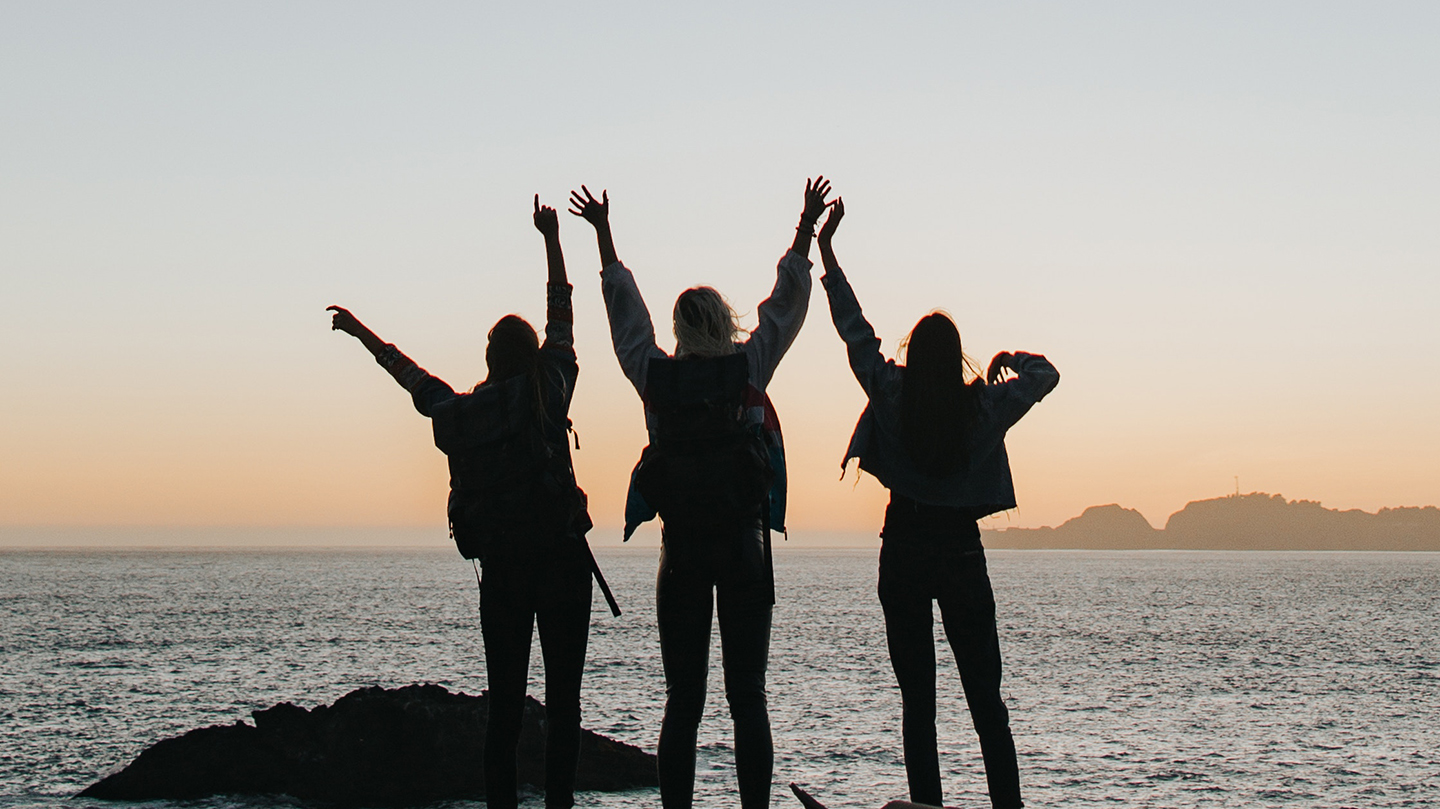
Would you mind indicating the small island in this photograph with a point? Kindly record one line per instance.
(1256, 521)
(374, 747)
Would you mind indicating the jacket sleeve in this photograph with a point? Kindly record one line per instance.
(863, 347)
(781, 316)
(1034, 378)
(631, 331)
(558, 351)
(559, 318)
(426, 390)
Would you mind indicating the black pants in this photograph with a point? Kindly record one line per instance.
(951, 570)
(514, 595)
(727, 561)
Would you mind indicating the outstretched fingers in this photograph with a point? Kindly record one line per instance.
(594, 210)
(579, 203)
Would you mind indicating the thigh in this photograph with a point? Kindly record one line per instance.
(563, 618)
(683, 604)
(967, 606)
(909, 620)
(744, 618)
(507, 616)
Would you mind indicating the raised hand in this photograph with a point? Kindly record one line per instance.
(837, 212)
(594, 211)
(815, 191)
(545, 219)
(998, 366)
(344, 321)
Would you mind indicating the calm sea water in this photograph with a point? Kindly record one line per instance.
(1134, 678)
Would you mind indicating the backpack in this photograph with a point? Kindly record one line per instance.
(507, 482)
(705, 462)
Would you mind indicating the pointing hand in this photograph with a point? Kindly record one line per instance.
(545, 219)
(344, 321)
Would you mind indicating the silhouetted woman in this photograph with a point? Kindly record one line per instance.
(714, 456)
(938, 444)
(515, 505)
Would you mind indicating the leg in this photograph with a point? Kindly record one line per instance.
(506, 619)
(563, 617)
(967, 607)
(745, 650)
(910, 634)
(682, 610)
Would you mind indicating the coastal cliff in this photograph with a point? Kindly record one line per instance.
(1255, 521)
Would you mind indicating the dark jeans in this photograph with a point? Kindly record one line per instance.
(728, 561)
(914, 570)
(555, 592)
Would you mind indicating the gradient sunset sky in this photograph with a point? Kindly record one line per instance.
(1221, 221)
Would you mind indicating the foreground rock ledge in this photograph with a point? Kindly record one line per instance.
(377, 747)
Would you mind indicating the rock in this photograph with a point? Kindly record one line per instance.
(377, 747)
(809, 801)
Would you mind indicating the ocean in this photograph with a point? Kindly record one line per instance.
(1145, 678)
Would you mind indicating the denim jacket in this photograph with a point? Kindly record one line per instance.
(984, 485)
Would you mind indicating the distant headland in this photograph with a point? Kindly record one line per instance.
(1256, 521)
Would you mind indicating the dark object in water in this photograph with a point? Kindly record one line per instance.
(810, 802)
(375, 747)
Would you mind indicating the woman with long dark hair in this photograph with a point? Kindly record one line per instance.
(714, 471)
(514, 504)
(937, 442)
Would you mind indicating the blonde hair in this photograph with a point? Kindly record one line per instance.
(705, 324)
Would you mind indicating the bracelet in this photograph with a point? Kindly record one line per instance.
(804, 228)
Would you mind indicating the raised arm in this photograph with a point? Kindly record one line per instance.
(426, 390)
(631, 330)
(861, 344)
(549, 226)
(827, 235)
(815, 191)
(783, 313)
(597, 213)
(559, 312)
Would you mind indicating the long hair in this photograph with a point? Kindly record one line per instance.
(705, 324)
(937, 407)
(514, 349)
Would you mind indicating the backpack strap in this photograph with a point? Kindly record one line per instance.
(769, 559)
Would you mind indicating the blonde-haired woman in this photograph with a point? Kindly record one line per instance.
(717, 491)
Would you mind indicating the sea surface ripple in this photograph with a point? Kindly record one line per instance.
(1176, 679)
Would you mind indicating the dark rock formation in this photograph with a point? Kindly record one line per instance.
(374, 747)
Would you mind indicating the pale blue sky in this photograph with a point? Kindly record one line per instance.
(1218, 219)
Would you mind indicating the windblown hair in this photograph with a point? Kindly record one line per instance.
(938, 408)
(705, 324)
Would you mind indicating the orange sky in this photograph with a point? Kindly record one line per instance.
(1221, 231)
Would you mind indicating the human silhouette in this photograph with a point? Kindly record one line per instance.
(938, 444)
(515, 505)
(714, 471)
